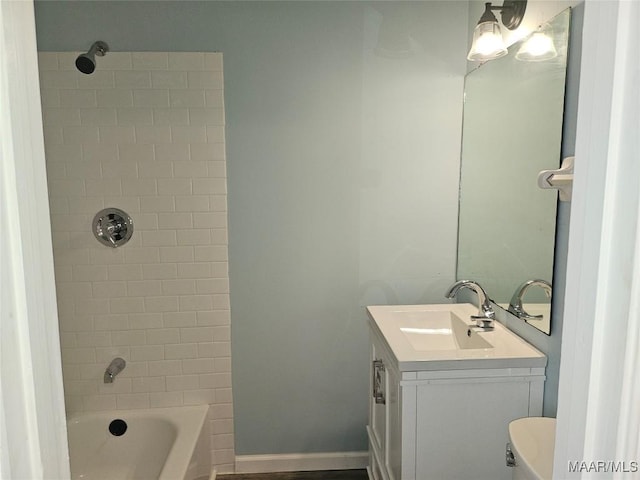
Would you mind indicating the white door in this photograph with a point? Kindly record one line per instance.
(33, 440)
(598, 418)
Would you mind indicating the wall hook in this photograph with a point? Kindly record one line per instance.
(560, 179)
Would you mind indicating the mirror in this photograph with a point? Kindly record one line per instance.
(512, 129)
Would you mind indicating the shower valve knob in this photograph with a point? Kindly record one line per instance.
(112, 227)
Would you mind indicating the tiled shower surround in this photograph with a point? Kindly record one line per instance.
(143, 133)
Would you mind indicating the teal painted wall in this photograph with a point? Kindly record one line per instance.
(343, 134)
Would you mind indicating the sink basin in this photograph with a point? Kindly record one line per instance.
(442, 337)
(436, 330)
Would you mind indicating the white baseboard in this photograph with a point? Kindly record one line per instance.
(293, 462)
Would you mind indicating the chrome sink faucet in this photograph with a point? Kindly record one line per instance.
(485, 316)
(114, 368)
(515, 306)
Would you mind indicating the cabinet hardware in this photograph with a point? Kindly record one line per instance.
(510, 457)
(378, 372)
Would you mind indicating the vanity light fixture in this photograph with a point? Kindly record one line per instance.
(537, 48)
(487, 38)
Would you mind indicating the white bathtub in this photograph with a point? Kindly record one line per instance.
(159, 443)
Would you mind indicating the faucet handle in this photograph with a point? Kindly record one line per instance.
(527, 316)
(485, 323)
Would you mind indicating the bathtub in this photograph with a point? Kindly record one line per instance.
(156, 443)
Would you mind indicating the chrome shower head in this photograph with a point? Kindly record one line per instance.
(86, 62)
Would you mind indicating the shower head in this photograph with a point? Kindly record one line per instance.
(86, 62)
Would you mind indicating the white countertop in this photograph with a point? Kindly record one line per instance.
(402, 325)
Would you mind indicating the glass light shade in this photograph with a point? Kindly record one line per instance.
(537, 48)
(487, 43)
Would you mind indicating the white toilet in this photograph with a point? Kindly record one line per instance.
(532, 441)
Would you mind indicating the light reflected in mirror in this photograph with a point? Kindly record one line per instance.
(512, 130)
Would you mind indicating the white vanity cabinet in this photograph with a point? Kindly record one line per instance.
(385, 416)
(441, 423)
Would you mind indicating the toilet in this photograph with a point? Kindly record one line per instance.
(532, 441)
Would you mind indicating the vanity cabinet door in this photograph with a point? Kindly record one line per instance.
(393, 452)
(462, 427)
(385, 416)
(377, 400)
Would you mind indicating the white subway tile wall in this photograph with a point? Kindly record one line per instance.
(143, 133)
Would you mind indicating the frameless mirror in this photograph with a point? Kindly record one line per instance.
(512, 129)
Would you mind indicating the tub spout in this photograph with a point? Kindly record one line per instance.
(114, 368)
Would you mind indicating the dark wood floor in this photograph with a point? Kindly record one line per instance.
(324, 475)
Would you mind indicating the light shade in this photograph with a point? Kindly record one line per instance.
(487, 42)
(537, 48)
(487, 38)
